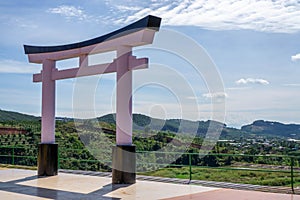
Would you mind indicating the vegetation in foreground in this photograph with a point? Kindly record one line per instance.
(227, 175)
(86, 145)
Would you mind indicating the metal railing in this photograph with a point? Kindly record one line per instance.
(15, 155)
(283, 165)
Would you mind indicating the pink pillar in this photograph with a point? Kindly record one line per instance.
(48, 103)
(123, 98)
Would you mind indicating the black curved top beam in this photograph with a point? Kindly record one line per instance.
(150, 22)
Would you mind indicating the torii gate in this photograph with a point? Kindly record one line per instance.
(122, 41)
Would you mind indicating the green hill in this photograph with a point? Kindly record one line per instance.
(262, 127)
(259, 127)
(15, 116)
(146, 123)
(200, 128)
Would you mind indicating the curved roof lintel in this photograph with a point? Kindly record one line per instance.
(149, 22)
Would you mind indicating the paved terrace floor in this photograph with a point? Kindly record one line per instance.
(24, 184)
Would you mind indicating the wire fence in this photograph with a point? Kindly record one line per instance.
(271, 170)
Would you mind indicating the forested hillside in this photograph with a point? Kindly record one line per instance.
(200, 128)
(15, 116)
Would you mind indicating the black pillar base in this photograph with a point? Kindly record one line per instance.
(123, 164)
(48, 160)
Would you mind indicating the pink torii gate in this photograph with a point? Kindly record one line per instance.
(122, 41)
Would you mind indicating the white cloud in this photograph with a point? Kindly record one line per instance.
(192, 97)
(215, 95)
(69, 12)
(259, 15)
(27, 24)
(292, 85)
(252, 81)
(12, 66)
(296, 57)
(237, 88)
(128, 8)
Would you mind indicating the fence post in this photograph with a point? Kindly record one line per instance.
(190, 165)
(99, 166)
(13, 155)
(292, 174)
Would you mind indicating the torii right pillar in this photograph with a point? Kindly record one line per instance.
(124, 157)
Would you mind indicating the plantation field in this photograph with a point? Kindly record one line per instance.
(226, 175)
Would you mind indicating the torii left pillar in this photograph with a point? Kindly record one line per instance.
(48, 150)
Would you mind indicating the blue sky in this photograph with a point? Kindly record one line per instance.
(255, 46)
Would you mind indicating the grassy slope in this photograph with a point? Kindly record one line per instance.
(15, 116)
(233, 176)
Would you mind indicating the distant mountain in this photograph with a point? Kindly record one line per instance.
(273, 128)
(15, 116)
(259, 127)
(109, 118)
(146, 123)
(143, 122)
